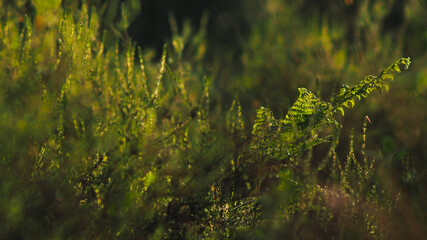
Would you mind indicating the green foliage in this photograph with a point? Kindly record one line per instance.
(347, 96)
(99, 145)
(309, 115)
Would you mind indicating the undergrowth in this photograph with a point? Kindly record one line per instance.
(98, 143)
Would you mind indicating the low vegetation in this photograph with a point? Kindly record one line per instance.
(100, 142)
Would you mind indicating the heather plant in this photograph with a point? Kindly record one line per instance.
(100, 143)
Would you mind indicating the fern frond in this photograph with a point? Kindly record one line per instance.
(306, 106)
(309, 114)
(347, 96)
(264, 120)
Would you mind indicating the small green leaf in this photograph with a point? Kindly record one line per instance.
(149, 179)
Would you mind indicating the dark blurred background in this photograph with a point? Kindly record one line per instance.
(230, 21)
(149, 21)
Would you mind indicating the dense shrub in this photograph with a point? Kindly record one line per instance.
(98, 143)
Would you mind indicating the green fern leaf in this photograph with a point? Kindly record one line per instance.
(347, 95)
